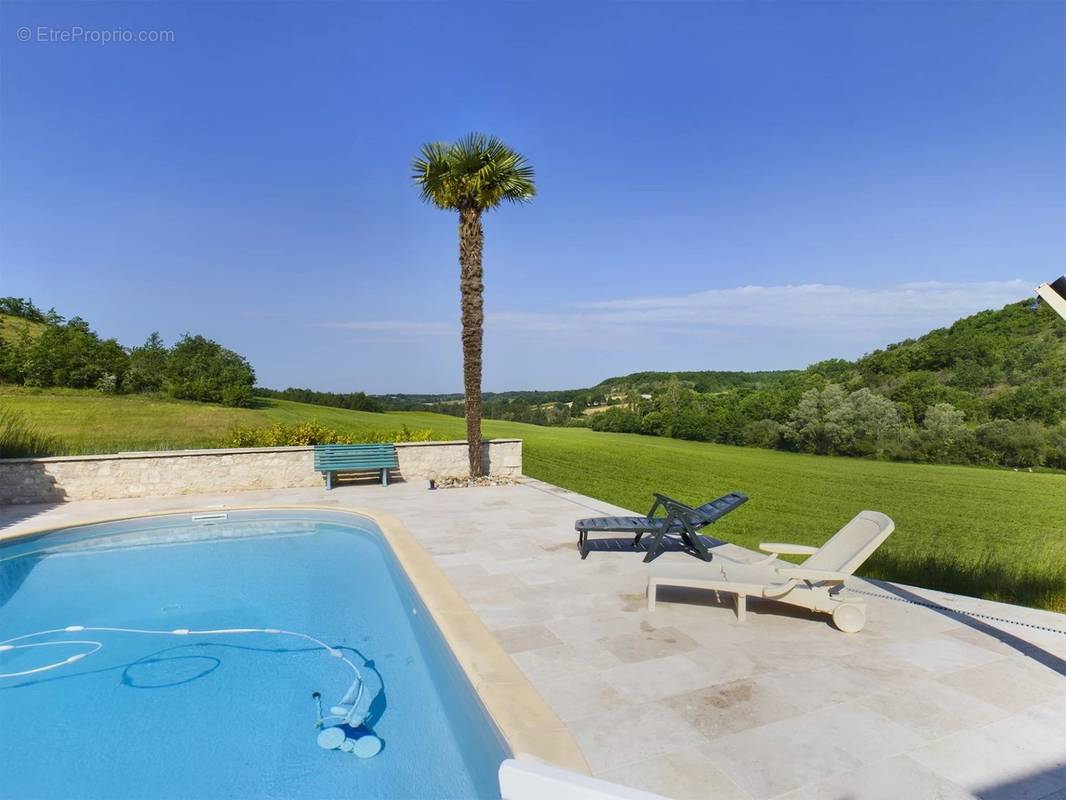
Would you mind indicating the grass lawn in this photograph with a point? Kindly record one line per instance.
(991, 533)
(90, 422)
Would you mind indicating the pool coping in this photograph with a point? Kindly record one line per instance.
(527, 723)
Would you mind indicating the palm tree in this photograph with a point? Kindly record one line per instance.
(472, 176)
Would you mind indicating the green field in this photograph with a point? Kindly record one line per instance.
(89, 422)
(993, 533)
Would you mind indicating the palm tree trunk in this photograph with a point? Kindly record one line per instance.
(471, 242)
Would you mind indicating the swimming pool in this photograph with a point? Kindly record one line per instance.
(173, 714)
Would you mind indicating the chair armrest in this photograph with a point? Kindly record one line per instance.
(812, 574)
(688, 515)
(664, 501)
(773, 591)
(788, 549)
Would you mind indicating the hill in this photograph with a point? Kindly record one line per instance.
(413, 402)
(563, 407)
(990, 389)
(83, 421)
(644, 382)
(43, 349)
(13, 328)
(1006, 364)
(706, 381)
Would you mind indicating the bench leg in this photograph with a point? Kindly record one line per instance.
(652, 589)
(742, 607)
(385, 476)
(329, 481)
(582, 544)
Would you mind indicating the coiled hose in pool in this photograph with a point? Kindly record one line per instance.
(352, 711)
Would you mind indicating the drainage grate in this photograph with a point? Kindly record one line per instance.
(208, 517)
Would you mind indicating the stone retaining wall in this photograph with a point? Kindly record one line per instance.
(49, 480)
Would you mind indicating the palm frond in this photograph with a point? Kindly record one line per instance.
(477, 171)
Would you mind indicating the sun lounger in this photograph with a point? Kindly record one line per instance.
(679, 519)
(816, 584)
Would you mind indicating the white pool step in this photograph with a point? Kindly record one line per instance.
(528, 779)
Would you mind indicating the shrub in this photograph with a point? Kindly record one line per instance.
(653, 424)
(1056, 447)
(1040, 400)
(405, 434)
(945, 438)
(577, 422)
(12, 360)
(238, 395)
(1015, 443)
(764, 433)
(312, 433)
(107, 384)
(811, 426)
(694, 425)
(72, 355)
(201, 369)
(868, 421)
(147, 365)
(616, 420)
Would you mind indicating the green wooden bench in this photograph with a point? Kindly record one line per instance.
(331, 458)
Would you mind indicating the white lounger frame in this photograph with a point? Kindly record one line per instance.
(811, 587)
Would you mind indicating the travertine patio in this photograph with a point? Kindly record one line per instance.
(686, 702)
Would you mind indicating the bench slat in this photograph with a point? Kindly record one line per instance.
(357, 460)
(357, 457)
(354, 448)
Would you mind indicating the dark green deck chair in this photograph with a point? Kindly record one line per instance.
(679, 519)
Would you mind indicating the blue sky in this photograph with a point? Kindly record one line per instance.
(721, 186)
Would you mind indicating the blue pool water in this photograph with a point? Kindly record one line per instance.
(228, 716)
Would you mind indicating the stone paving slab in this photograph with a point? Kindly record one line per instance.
(688, 703)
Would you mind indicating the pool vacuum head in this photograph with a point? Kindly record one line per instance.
(352, 712)
(366, 746)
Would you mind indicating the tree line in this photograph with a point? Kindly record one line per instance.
(566, 407)
(517, 409)
(832, 421)
(58, 352)
(353, 401)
